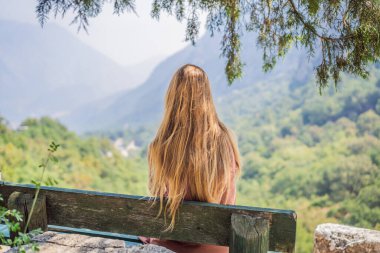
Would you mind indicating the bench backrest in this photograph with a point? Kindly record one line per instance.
(198, 222)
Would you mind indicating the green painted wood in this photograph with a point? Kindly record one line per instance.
(198, 222)
(67, 230)
(249, 234)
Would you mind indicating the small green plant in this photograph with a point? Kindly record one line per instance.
(12, 218)
(44, 165)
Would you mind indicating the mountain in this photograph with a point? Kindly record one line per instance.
(144, 104)
(50, 72)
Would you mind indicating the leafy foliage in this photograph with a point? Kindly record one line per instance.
(346, 34)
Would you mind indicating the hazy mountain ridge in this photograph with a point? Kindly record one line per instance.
(144, 104)
(50, 72)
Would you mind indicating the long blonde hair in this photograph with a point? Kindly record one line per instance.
(193, 151)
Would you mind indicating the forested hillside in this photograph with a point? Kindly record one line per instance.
(318, 155)
(84, 163)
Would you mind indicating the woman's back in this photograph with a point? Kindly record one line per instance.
(193, 156)
(229, 198)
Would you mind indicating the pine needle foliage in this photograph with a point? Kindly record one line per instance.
(343, 34)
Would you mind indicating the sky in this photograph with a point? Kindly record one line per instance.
(128, 39)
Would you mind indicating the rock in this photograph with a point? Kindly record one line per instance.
(75, 243)
(335, 238)
(147, 248)
(4, 248)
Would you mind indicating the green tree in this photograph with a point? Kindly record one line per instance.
(369, 122)
(348, 177)
(345, 33)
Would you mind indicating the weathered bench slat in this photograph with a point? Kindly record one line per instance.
(135, 215)
(249, 234)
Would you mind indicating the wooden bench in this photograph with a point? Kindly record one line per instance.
(242, 228)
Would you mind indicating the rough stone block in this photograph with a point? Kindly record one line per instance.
(335, 238)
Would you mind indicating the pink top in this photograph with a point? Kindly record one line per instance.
(185, 247)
